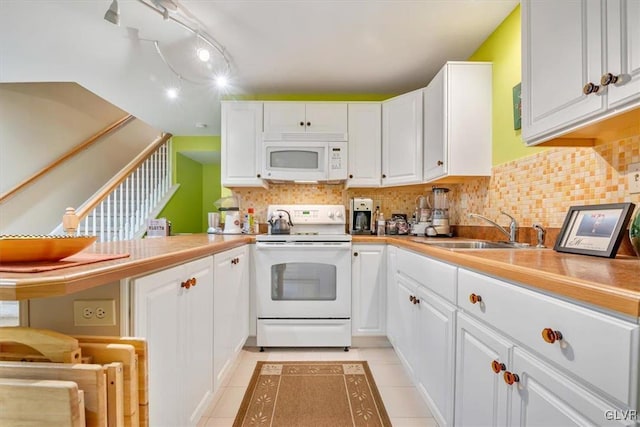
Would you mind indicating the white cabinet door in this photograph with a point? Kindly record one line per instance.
(230, 309)
(297, 117)
(284, 117)
(623, 51)
(157, 317)
(173, 310)
(406, 320)
(365, 145)
(544, 397)
(197, 374)
(392, 301)
(241, 130)
(457, 122)
(368, 280)
(434, 358)
(561, 53)
(480, 393)
(326, 117)
(402, 139)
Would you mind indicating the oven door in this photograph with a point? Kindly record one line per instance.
(303, 280)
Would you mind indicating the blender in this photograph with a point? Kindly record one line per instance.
(422, 216)
(440, 216)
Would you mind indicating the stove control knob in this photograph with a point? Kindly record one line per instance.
(331, 215)
(338, 214)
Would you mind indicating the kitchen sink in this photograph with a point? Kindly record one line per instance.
(476, 244)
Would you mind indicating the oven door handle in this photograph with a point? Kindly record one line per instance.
(299, 245)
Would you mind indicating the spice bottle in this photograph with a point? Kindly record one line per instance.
(381, 224)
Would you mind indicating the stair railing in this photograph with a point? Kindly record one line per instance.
(121, 208)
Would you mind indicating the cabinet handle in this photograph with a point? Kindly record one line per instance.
(189, 283)
(411, 298)
(384, 176)
(308, 124)
(590, 88)
(355, 254)
(440, 162)
(258, 176)
(416, 300)
(474, 299)
(511, 378)
(551, 336)
(608, 79)
(498, 367)
(301, 123)
(350, 176)
(235, 261)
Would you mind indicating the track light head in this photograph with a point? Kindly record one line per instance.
(113, 13)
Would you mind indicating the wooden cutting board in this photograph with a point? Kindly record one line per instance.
(141, 349)
(125, 354)
(89, 378)
(52, 345)
(37, 403)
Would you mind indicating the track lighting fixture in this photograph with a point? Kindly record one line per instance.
(113, 13)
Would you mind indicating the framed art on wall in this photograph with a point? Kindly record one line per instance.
(594, 230)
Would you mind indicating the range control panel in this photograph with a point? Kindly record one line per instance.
(310, 214)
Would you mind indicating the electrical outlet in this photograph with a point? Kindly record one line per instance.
(94, 312)
(633, 178)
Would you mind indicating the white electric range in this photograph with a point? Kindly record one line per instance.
(303, 280)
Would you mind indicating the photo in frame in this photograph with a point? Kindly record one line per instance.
(594, 229)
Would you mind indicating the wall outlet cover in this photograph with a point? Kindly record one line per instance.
(94, 312)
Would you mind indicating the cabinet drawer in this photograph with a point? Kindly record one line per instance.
(434, 275)
(597, 348)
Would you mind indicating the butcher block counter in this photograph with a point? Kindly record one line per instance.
(612, 284)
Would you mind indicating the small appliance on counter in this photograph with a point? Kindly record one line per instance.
(422, 217)
(360, 215)
(231, 221)
(440, 215)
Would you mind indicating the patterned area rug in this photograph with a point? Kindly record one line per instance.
(312, 394)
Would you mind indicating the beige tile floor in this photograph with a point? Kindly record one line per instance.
(401, 399)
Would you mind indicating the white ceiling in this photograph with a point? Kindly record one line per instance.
(274, 47)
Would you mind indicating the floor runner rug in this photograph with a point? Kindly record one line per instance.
(312, 394)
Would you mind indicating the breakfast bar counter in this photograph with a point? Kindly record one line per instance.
(611, 284)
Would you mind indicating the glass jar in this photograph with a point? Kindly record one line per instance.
(391, 226)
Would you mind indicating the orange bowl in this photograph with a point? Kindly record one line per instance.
(19, 248)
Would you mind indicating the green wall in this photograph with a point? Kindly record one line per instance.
(199, 184)
(502, 48)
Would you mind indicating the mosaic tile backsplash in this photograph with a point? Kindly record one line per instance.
(538, 188)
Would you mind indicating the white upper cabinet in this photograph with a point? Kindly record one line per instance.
(365, 141)
(402, 139)
(457, 122)
(241, 142)
(623, 51)
(568, 51)
(328, 118)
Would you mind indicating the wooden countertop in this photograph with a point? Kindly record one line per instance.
(612, 284)
(146, 255)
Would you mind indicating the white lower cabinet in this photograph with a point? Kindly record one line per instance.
(481, 395)
(368, 287)
(424, 339)
(230, 309)
(172, 309)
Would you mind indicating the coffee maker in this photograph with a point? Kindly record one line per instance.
(361, 211)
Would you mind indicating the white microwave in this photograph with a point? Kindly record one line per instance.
(304, 161)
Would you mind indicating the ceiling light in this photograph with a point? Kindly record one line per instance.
(203, 54)
(222, 81)
(172, 93)
(113, 13)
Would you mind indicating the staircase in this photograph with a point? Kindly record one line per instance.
(122, 213)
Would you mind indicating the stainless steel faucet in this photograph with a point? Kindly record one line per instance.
(512, 234)
(540, 234)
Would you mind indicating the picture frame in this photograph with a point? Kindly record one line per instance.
(595, 230)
